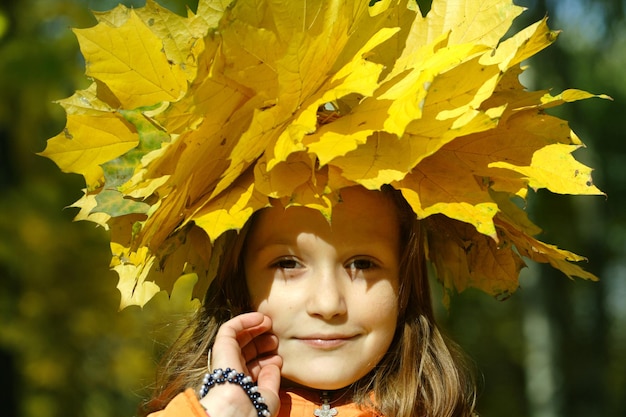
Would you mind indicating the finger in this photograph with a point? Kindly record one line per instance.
(247, 324)
(255, 366)
(269, 384)
(275, 360)
(233, 336)
(259, 346)
(244, 328)
(257, 353)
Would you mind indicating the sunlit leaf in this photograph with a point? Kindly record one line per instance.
(130, 61)
(90, 140)
(553, 167)
(231, 210)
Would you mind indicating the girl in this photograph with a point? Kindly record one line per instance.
(329, 318)
(212, 115)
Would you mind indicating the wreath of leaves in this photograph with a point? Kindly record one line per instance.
(194, 123)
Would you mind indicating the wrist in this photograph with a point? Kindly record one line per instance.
(227, 401)
(231, 379)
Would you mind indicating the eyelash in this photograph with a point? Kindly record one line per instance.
(290, 263)
(370, 264)
(281, 263)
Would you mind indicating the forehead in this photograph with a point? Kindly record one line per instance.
(365, 209)
(362, 215)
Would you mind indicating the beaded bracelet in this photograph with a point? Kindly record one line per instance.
(219, 376)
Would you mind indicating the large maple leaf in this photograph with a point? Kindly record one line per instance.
(194, 123)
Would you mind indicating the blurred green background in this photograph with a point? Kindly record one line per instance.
(555, 348)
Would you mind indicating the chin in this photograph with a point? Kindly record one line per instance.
(318, 382)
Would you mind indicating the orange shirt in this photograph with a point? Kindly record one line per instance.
(292, 404)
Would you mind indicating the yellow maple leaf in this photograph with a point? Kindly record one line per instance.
(230, 210)
(285, 177)
(359, 76)
(481, 22)
(465, 258)
(553, 167)
(130, 61)
(133, 269)
(180, 34)
(88, 141)
(86, 204)
(538, 251)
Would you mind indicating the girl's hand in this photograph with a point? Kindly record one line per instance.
(244, 344)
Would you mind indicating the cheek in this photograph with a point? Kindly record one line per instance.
(277, 304)
(386, 314)
(272, 307)
(381, 309)
(390, 305)
(283, 315)
(260, 286)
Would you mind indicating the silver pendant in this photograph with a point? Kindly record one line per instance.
(326, 410)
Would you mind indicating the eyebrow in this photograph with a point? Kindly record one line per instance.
(269, 244)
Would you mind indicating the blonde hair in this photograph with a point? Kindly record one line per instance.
(423, 374)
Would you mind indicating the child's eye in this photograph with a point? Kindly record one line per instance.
(286, 263)
(359, 264)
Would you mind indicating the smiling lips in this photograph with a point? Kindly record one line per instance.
(325, 341)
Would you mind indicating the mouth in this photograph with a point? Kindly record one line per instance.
(326, 341)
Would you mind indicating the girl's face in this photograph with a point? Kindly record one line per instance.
(331, 290)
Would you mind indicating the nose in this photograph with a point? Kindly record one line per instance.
(326, 297)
